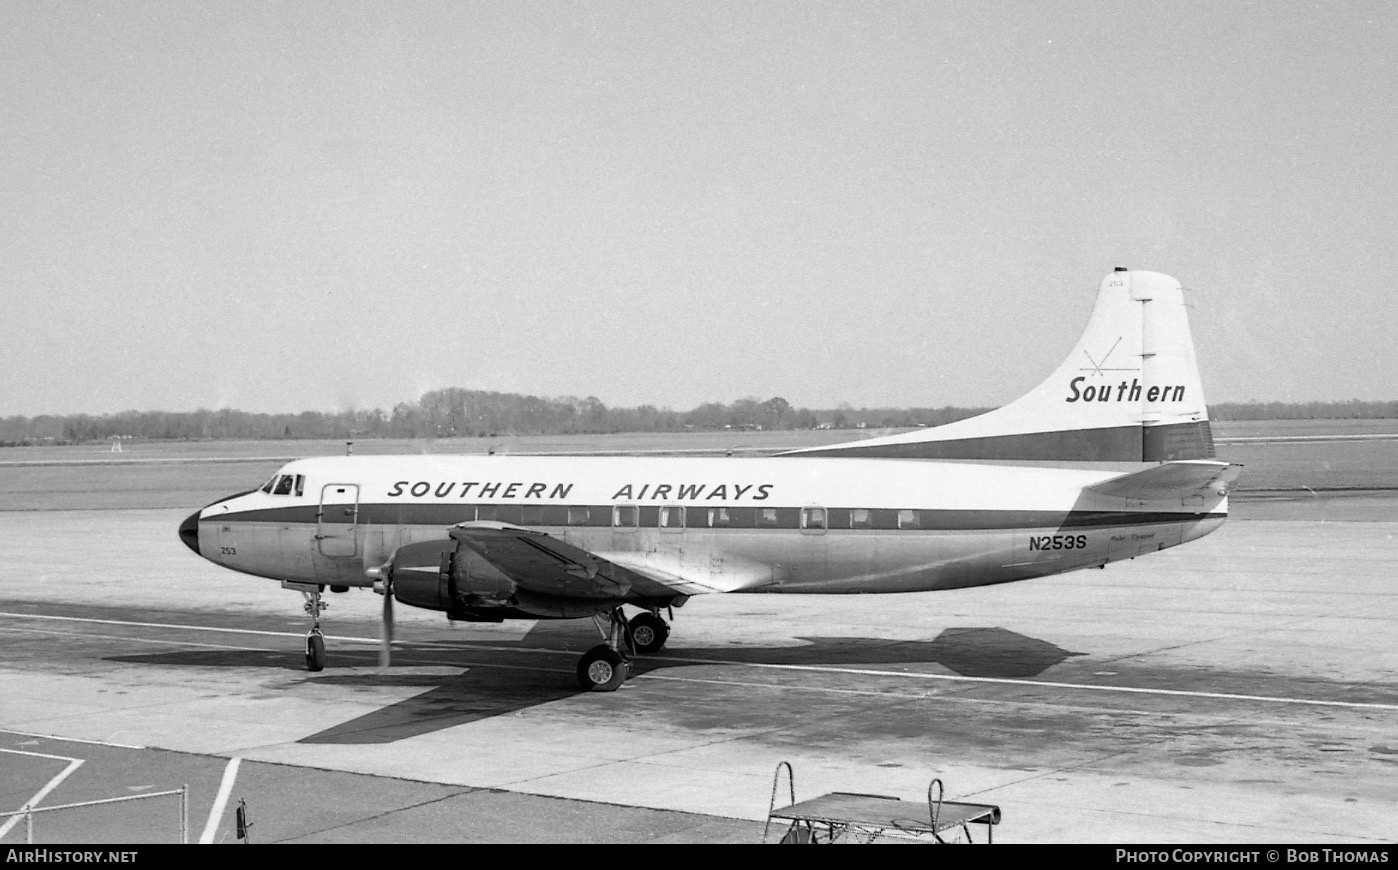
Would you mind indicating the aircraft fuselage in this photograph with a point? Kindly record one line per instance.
(781, 524)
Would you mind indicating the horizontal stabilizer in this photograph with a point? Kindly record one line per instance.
(1171, 480)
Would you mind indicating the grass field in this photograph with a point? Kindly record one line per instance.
(190, 474)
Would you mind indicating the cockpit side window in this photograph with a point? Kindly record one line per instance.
(300, 484)
(284, 485)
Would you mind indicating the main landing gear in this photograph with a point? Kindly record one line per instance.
(648, 632)
(606, 666)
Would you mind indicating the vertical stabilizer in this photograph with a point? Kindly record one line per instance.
(1128, 392)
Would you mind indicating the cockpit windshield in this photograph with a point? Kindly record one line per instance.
(285, 484)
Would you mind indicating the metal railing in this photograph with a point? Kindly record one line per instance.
(29, 812)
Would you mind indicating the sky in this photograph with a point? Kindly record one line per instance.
(331, 205)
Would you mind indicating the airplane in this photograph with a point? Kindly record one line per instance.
(1110, 458)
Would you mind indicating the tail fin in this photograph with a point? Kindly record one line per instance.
(1129, 392)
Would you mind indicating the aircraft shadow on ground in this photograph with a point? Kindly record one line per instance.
(485, 692)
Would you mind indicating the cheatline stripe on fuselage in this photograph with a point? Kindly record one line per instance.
(1114, 444)
(739, 517)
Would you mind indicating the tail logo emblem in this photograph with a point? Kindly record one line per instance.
(1124, 392)
(1098, 368)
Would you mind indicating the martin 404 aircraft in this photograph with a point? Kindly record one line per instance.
(1109, 458)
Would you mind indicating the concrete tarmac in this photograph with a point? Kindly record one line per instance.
(1243, 688)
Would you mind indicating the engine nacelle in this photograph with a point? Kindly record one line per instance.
(447, 575)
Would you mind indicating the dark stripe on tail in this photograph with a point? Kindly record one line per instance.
(1179, 441)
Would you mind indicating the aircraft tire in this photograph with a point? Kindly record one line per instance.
(315, 652)
(602, 669)
(648, 633)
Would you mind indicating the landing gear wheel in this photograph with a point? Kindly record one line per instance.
(602, 669)
(315, 652)
(648, 633)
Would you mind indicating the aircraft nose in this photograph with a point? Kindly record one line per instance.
(189, 531)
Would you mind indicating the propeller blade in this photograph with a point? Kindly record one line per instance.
(386, 633)
(386, 573)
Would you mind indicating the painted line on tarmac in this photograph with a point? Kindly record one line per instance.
(1305, 439)
(184, 627)
(1005, 681)
(159, 460)
(71, 739)
(51, 633)
(958, 678)
(73, 764)
(826, 669)
(451, 664)
(225, 788)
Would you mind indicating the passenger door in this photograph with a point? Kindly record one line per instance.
(338, 519)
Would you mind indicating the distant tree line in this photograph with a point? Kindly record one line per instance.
(458, 413)
(449, 413)
(1351, 410)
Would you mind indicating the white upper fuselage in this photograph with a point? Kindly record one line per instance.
(786, 524)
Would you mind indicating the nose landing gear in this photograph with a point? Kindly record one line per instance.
(315, 641)
(315, 651)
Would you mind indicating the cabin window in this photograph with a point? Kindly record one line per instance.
(284, 485)
(909, 520)
(861, 518)
(813, 518)
(532, 514)
(577, 516)
(767, 518)
(672, 517)
(625, 516)
(719, 518)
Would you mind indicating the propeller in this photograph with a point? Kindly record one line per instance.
(382, 575)
(386, 633)
(383, 584)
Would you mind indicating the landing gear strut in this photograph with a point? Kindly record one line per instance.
(315, 642)
(606, 666)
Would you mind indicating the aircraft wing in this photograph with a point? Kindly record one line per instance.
(1170, 480)
(545, 565)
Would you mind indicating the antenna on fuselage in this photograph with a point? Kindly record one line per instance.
(349, 448)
